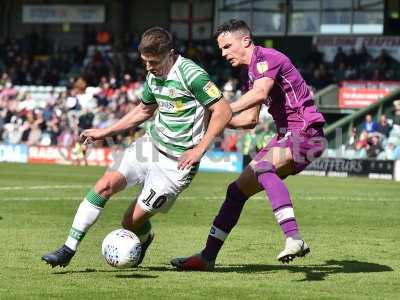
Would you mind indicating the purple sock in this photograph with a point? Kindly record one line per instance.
(279, 197)
(223, 223)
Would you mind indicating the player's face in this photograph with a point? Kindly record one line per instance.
(233, 47)
(157, 65)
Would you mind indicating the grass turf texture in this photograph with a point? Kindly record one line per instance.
(352, 226)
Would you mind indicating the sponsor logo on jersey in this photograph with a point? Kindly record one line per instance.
(179, 105)
(171, 92)
(262, 67)
(211, 89)
(166, 106)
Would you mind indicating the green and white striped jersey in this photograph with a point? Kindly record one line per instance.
(182, 99)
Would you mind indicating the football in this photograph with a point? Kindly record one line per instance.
(121, 248)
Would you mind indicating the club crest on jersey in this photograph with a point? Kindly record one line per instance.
(211, 89)
(262, 67)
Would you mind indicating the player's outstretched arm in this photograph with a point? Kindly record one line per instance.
(246, 119)
(255, 96)
(135, 117)
(221, 114)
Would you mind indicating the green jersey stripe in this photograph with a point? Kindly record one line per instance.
(194, 77)
(182, 116)
(188, 112)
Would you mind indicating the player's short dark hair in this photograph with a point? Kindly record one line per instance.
(233, 25)
(156, 41)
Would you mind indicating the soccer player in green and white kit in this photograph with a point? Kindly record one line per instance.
(191, 113)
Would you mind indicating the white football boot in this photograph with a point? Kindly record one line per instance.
(294, 247)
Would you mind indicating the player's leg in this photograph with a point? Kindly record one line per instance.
(270, 169)
(236, 196)
(161, 187)
(238, 192)
(137, 220)
(125, 171)
(87, 214)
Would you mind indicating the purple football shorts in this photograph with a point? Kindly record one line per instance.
(305, 146)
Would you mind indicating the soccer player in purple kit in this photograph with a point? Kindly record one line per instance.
(272, 80)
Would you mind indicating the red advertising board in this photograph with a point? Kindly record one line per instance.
(48, 155)
(357, 94)
(61, 155)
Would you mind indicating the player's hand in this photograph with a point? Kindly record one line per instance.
(189, 158)
(89, 136)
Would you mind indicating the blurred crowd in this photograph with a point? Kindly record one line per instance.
(354, 65)
(375, 139)
(49, 93)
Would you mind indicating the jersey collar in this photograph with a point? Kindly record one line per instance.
(175, 66)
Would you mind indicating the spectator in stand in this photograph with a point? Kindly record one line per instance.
(2, 122)
(317, 81)
(367, 69)
(369, 125)
(362, 142)
(340, 73)
(315, 57)
(230, 89)
(374, 146)
(353, 58)
(12, 133)
(384, 127)
(351, 72)
(339, 57)
(86, 120)
(229, 142)
(392, 150)
(396, 117)
(66, 136)
(363, 56)
(383, 60)
(103, 37)
(53, 129)
(247, 142)
(352, 141)
(378, 75)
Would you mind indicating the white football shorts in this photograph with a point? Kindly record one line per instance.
(143, 164)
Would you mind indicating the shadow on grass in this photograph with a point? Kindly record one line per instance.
(312, 272)
(130, 275)
(166, 268)
(136, 276)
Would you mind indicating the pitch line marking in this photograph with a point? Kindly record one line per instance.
(210, 198)
(40, 187)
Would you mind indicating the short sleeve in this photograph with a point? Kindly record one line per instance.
(148, 97)
(267, 65)
(205, 91)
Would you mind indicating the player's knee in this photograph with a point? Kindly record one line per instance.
(105, 187)
(235, 192)
(110, 184)
(262, 167)
(232, 187)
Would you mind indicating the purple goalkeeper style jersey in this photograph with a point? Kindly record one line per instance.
(289, 101)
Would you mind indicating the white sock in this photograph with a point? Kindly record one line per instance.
(86, 215)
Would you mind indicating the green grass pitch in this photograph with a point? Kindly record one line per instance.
(352, 226)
